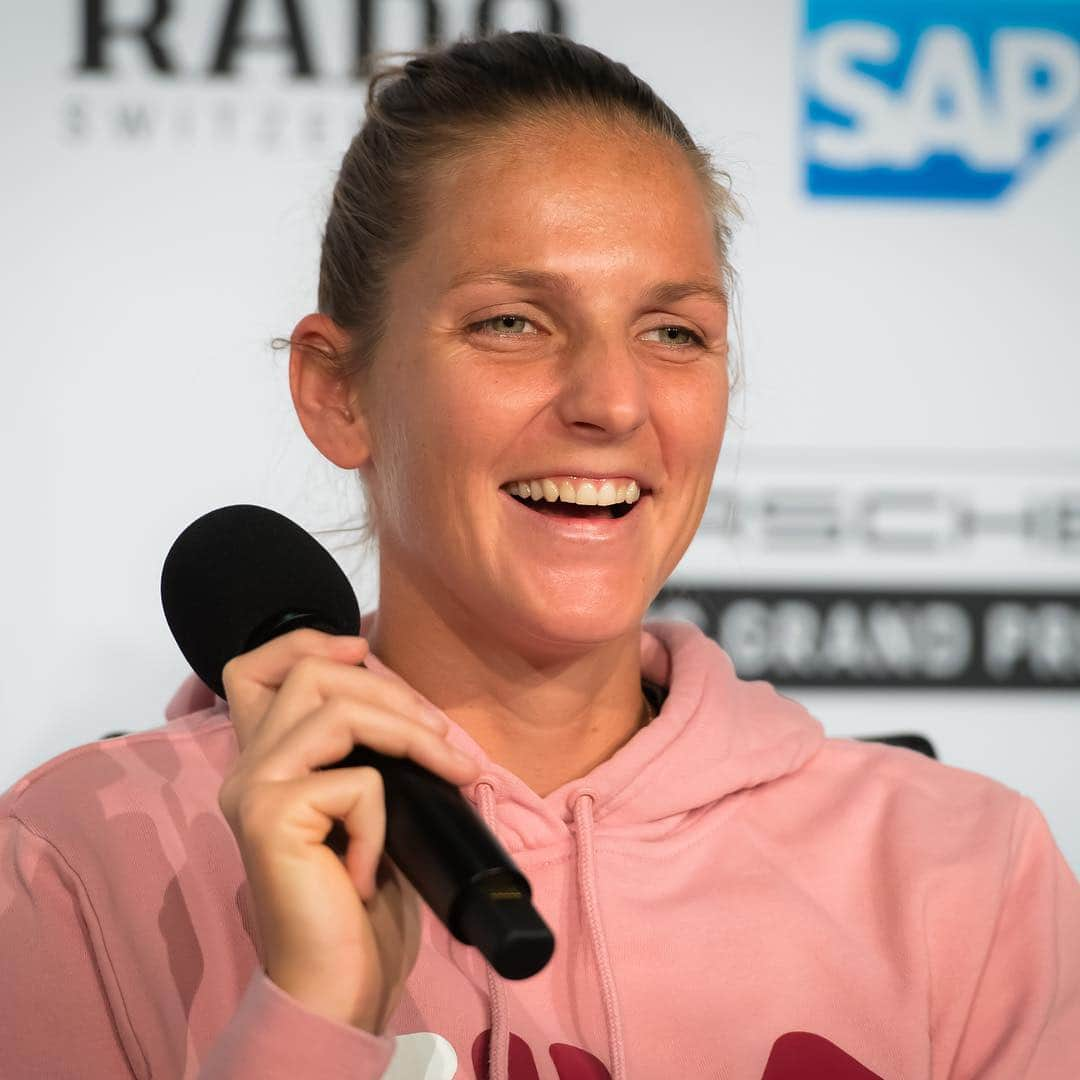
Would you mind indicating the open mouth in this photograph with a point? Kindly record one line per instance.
(567, 498)
(572, 510)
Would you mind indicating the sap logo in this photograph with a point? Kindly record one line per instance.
(952, 100)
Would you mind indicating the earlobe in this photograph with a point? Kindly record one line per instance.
(326, 404)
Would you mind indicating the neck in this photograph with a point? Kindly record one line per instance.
(549, 717)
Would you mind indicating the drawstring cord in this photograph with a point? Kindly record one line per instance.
(498, 1057)
(587, 879)
(498, 1047)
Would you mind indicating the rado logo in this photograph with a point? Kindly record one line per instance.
(270, 74)
(236, 27)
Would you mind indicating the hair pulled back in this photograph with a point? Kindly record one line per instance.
(424, 114)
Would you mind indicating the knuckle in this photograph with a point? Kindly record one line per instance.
(343, 722)
(372, 781)
(255, 810)
(233, 671)
(308, 668)
(341, 713)
(307, 639)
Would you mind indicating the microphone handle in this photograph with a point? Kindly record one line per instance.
(458, 866)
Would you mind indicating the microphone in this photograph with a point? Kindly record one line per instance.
(241, 575)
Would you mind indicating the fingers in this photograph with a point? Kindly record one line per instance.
(253, 678)
(315, 680)
(330, 732)
(298, 815)
(298, 704)
(365, 823)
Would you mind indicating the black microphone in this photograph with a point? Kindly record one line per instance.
(241, 575)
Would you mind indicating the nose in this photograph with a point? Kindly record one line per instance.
(603, 390)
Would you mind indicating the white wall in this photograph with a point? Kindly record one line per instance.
(157, 232)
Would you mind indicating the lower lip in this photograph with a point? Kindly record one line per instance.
(579, 530)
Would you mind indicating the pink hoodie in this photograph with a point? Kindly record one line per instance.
(733, 896)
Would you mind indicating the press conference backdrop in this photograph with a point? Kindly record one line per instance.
(894, 532)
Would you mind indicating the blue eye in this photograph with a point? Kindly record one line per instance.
(669, 335)
(502, 325)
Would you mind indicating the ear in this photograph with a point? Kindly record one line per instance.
(325, 403)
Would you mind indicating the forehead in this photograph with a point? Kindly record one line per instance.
(570, 196)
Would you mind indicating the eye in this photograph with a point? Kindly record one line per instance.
(502, 326)
(676, 335)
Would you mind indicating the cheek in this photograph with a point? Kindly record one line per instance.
(478, 417)
(432, 431)
(715, 423)
(399, 430)
(696, 420)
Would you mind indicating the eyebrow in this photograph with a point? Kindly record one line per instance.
(665, 292)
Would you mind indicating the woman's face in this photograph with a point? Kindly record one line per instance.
(560, 324)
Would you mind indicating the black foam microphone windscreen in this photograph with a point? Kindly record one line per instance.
(236, 573)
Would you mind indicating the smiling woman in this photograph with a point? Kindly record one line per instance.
(521, 352)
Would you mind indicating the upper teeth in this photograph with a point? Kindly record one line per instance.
(582, 492)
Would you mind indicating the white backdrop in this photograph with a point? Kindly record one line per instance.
(909, 417)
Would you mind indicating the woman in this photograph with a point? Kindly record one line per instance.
(521, 347)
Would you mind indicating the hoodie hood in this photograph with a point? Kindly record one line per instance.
(714, 735)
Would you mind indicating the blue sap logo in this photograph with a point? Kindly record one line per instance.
(955, 99)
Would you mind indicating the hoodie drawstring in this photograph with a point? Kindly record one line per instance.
(583, 820)
(498, 1047)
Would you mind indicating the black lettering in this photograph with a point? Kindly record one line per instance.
(552, 20)
(98, 29)
(367, 33)
(232, 39)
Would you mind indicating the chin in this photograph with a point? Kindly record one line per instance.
(563, 624)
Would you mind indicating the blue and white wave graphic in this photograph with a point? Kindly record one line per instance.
(957, 99)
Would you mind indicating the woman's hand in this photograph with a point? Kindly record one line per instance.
(338, 935)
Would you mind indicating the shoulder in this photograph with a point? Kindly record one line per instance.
(111, 792)
(894, 771)
(922, 812)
